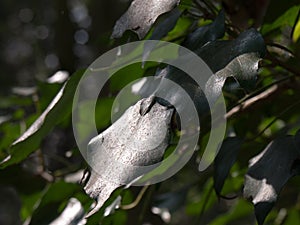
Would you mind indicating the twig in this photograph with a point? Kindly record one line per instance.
(265, 88)
(276, 45)
(136, 201)
(248, 103)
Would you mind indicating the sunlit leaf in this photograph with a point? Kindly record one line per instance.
(268, 172)
(296, 32)
(143, 133)
(141, 15)
(243, 67)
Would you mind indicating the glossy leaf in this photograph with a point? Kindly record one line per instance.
(141, 15)
(72, 215)
(268, 172)
(243, 67)
(142, 136)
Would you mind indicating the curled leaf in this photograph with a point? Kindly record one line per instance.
(243, 67)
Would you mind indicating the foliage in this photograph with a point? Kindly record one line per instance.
(255, 60)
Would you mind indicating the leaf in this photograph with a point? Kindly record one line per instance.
(224, 160)
(240, 55)
(286, 18)
(168, 22)
(57, 110)
(72, 215)
(296, 33)
(243, 67)
(205, 34)
(141, 15)
(218, 54)
(268, 172)
(161, 30)
(54, 195)
(143, 133)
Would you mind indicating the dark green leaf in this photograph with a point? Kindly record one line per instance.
(224, 160)
(54, 196)
(58, 109)
(161, 30)
(268, 172)
(141, 15)
(279, 14)
(207, 33)
(168, 22)
(218, 54)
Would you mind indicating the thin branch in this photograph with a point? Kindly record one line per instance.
(250, 102)
(137, 200)
(276, 45)
(264, 88)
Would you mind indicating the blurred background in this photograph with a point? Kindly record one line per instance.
(38, 38)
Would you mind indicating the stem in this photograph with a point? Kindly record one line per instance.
(249, 102)
(137, 200)
(276, 45)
